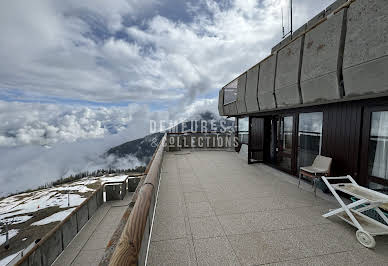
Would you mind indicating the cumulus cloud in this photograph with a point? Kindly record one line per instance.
(43, 142)
(109, 51)
(167, 59)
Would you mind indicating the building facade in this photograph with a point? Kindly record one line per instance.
(323, 90)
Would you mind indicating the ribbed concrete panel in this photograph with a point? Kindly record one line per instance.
(221, 102)
(287, 74)
(242, 81)
(266, 83)
(230, 109)
(251, 89)
(321, 61)
(365, 66)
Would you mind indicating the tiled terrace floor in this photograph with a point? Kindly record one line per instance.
(215, 209)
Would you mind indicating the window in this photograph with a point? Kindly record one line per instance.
(378, 146)
(243, 130)
(230, 92)
(310, 137)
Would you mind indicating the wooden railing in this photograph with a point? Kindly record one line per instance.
(133, 243)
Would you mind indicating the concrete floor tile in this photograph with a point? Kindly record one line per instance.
(172, 252)
(205, 227)
(215, 251)
(199, 196)
(169, 228)
(235, 224)
(266, 247)
(199, 209)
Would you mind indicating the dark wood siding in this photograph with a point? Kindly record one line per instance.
(341, 135)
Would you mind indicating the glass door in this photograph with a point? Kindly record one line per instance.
(285, 153)
(374, 166)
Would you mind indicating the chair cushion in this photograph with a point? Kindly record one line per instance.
(313, 170)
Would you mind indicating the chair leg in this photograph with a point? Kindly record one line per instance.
(300, 176)
(315, 187)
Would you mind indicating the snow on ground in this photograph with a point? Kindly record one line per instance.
(118, 178)
(14, 208)
(59, 216)
(41, 200)
(6, 260)
(17, 219)
(11, 233)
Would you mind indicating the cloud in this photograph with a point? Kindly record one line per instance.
(40, 143)
(167, 59)
(133, 50)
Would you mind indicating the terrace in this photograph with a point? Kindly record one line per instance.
(214, 209)
(209, 207)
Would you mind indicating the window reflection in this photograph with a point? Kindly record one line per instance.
(378, 146)
(310, 137)
(243, 130)
(230, 92)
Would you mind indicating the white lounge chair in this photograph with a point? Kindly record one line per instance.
(321, 167)
(354, 213)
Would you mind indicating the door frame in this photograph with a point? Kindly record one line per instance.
(365, 178)
(250, 140)
(294, 153)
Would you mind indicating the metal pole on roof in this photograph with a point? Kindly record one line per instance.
(291, 16)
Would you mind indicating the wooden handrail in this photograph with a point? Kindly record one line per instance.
(128, 249)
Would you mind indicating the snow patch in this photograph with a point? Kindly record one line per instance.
(11, 233)
(59, 216)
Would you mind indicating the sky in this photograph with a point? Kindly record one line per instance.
(77, 77)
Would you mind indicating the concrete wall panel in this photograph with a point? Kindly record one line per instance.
(251, 89)
(35, 259)
(92, 205)
(287, 74)
(132, 183)
(51, 248)
(221, 102)
(69, 230)
(82, 216)
(321, 61)
(365, 66)
(266, 83)
(100, 197)
(242, 81)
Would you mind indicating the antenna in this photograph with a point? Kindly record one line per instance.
(290, 20)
